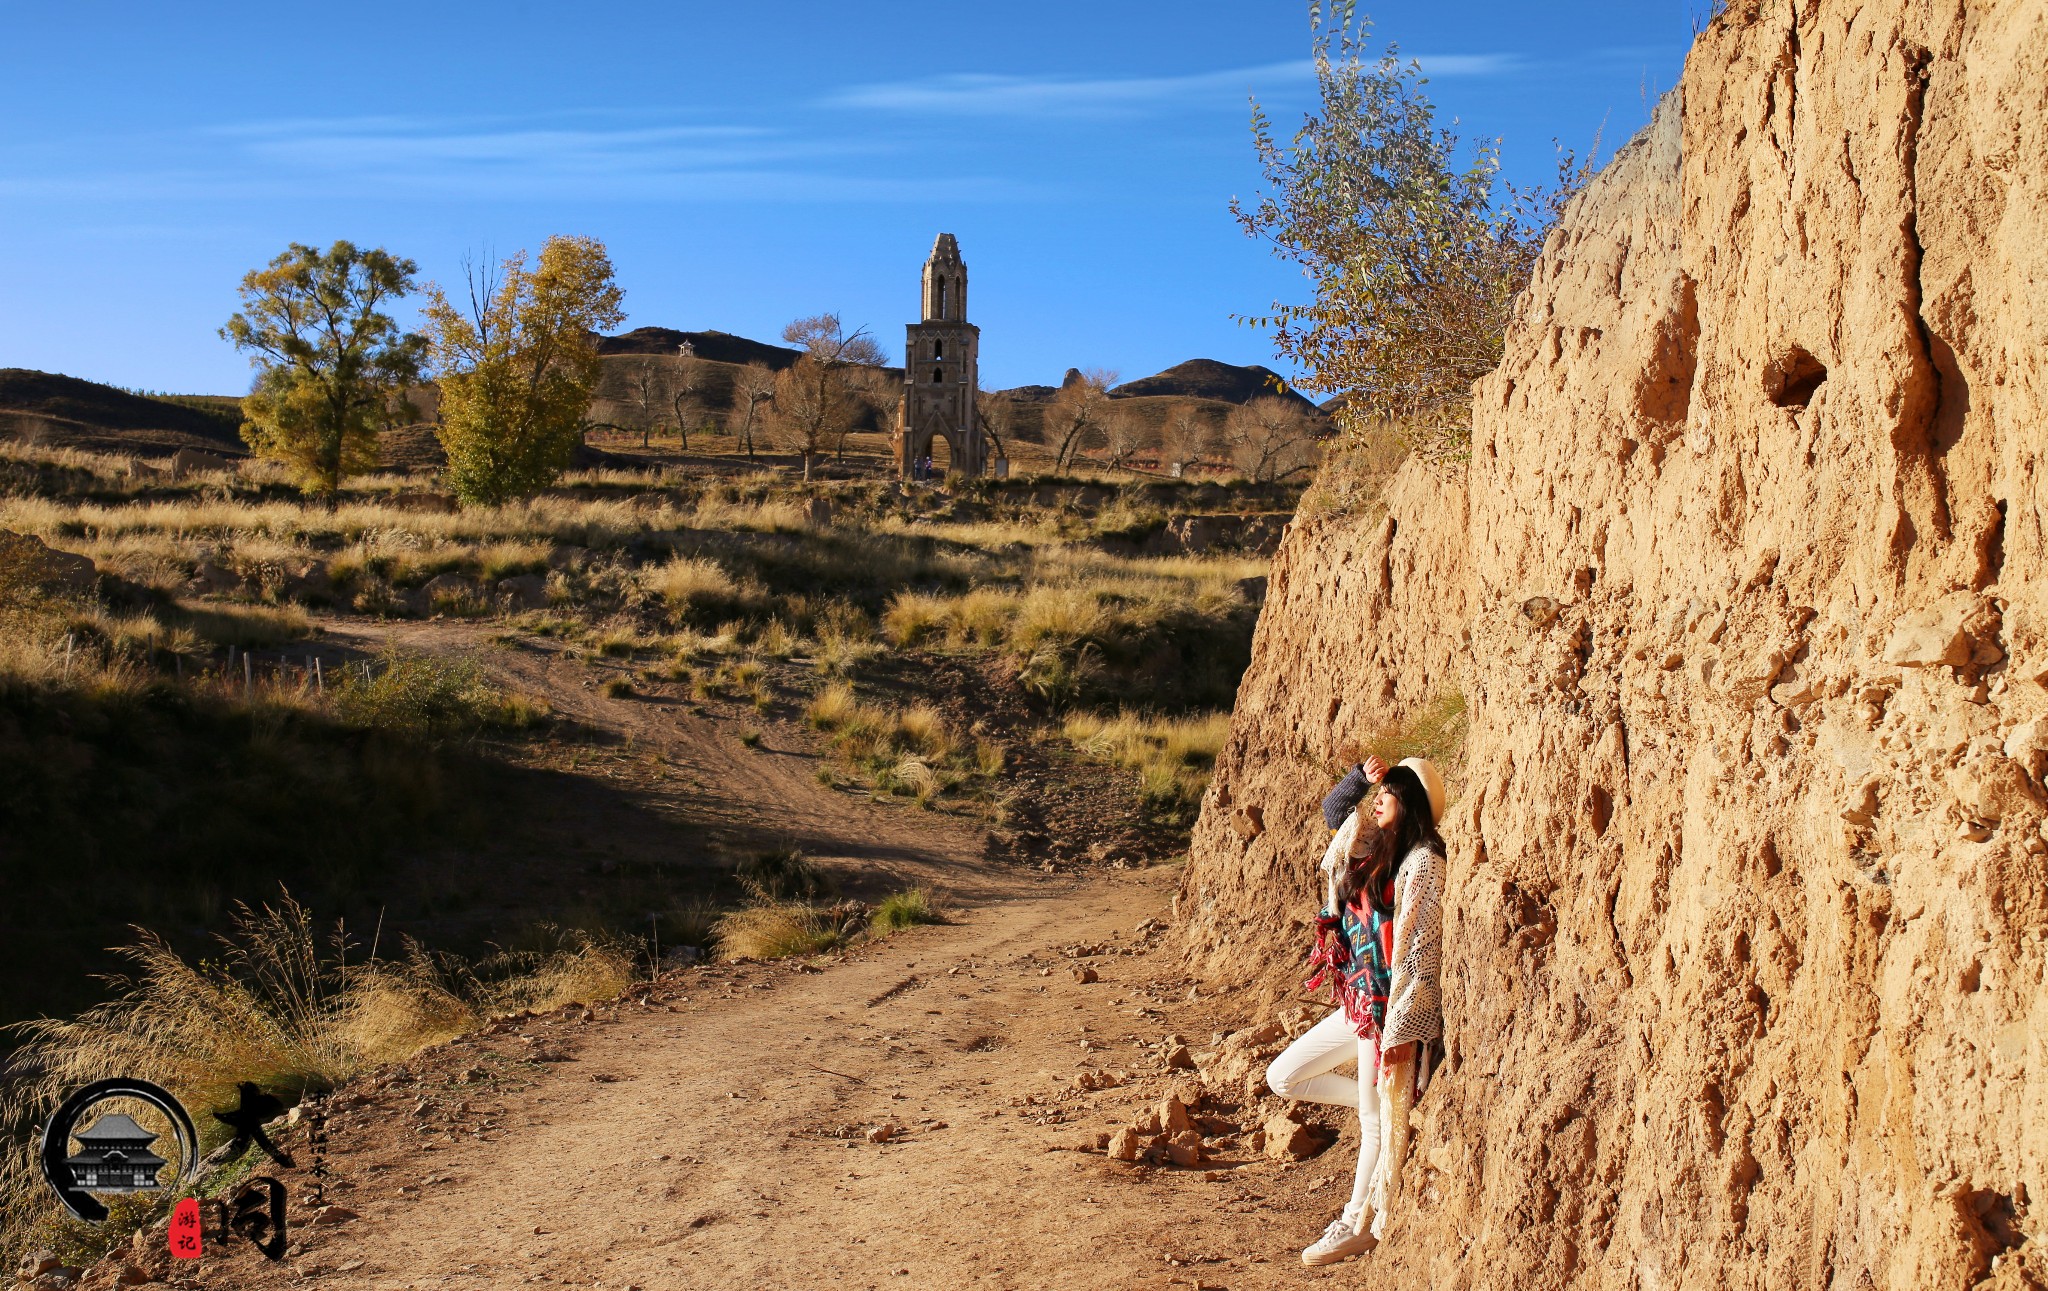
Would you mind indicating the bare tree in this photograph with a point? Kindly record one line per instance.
(814, 399)
(810, 408)
(882, 391)
(825, 338)
(1183, 438)
(1270, 439)
(685, 390)
(752, 386)
(649, 386)
(1077, 411)
(1122, 436)
(998, 416)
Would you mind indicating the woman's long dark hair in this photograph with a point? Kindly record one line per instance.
(1415, 828)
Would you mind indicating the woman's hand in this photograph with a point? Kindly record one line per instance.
(1399, 1053)
(1375, 768)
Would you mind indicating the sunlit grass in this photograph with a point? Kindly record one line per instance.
(1172, 756)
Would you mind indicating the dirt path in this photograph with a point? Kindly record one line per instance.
(710, 782)
(716, 1136)
(716, 1133)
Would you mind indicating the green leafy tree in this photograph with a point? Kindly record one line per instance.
(518, 364)
(331, 367)
(1416, 255)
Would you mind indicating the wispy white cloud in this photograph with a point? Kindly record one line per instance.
(987, 93)
(1437, 66)
(502, 158)
(1054, 94)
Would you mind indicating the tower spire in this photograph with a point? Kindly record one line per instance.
(945, 282)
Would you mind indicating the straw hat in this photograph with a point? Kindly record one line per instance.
(1432, 784)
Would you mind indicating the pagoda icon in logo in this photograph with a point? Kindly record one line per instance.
(114, 1156)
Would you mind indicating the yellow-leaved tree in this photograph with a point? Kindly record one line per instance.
(331, 366)
(517, 366)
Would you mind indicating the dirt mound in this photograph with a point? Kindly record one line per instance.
(48, 407)
(1744, 586)
(1209, 379)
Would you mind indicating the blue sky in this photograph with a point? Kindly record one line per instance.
(745, 163)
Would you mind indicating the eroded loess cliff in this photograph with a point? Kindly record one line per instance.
(1746, 586)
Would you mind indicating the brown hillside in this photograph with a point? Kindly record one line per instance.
(719, 347)
(1209, 379)
(69, 412)
(1743, 585)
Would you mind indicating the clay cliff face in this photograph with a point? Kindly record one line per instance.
(1746, 585)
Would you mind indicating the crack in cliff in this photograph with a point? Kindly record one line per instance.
(1918, 62)
(1790, 62)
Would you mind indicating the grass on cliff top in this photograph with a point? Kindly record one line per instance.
(1435, 731)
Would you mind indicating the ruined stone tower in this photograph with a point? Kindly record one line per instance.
(940, 369)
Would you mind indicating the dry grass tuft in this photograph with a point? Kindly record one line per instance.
(1173, 756)
(902, 910)
(777, 931)
(429, 697)
(689, 582)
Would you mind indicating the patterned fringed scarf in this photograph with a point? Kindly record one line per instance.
(1354, 953)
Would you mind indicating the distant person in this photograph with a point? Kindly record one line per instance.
(927, 467)
(1379, 946)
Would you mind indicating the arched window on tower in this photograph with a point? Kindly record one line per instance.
(941, 311)
(938, 349)
(938, 375)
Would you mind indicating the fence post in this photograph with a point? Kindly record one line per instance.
(248, 676)
(69, 641)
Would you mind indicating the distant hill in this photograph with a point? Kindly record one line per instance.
(48, 407)
(719, 347)
(1209, 379)
(1031, 394)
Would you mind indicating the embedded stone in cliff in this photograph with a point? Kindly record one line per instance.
(1931, 638)
(1250, 821)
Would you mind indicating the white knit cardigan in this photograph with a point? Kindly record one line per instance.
(1415, 999)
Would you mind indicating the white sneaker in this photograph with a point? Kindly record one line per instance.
(1338, 1242)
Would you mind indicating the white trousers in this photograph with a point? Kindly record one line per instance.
(1307, 1070)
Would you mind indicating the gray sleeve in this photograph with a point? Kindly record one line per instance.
(1341, 801)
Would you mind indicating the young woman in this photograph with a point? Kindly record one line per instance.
(1379, 943)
